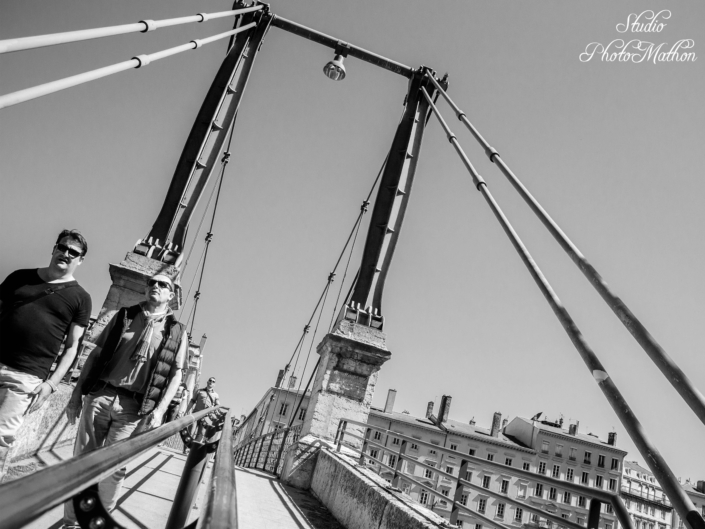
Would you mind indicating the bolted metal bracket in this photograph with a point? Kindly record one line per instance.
(90, 511)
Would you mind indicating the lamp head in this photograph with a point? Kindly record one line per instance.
(334, 69)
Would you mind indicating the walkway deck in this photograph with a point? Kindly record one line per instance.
(262, 501)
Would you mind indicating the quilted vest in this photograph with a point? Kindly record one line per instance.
(166, 356)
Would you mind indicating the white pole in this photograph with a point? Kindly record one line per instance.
(136, 62)
(143, 26)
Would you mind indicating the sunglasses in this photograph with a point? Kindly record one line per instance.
(73, 253)
(160, 284)
(212, 380)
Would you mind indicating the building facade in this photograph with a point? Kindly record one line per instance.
(696, 492)
(536, 446)
(644, 499)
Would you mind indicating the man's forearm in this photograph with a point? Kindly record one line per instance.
(170, 391)
(87, 367)
(66, 360)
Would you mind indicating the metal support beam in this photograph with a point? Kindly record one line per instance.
(205, 141)
(333, 43)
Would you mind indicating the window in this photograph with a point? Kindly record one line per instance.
(490, 457)
(432, 452)
(663, 514)
(552, 493)
(444, 492)
(504, 487)
(302, 414)
(396, 441)
(458, 523)
(585, 478)
(453, 447)
(566, 497)
(468, 476)
(608, 526)
(556, 471)
(542, 467)
(521, 491)
(613, 484)
(615, 464)
(582, 502)
(486, 482)
(463, 499)
(471, 452)
(373, 454)
(377, 436)
(478, 526)
(598, 482)
(569, 474)
(539, 490)
(283, 409)
(581, 521)
(638, 506)
(500, 510)
(601, 461)
(609, 510)
(526, 466)
(423, 497)
(508, 461)
(427, 473)
(559, 450)
(414, 446)
(518, 513)
(481, 505)
(449, 470)
(535, 518)
(587, 459)
(565, 516)
(544, 447)
(573, 454)
(392, 460)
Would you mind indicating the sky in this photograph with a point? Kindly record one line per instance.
(612, 150)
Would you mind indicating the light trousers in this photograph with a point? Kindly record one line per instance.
(15, 396)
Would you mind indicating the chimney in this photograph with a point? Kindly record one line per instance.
(280, 377)
(292, 382)
(504, 423)
(700, 487)
(612, 438)
(472, 421)
(560, 422)
(429, 409)
(391, 396)
(444, 410)
(572, 429)
(496, 421)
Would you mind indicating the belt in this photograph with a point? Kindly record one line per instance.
(101, 384)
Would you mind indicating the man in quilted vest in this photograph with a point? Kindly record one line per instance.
(128, 380)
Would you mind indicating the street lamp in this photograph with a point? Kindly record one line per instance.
(335, 69)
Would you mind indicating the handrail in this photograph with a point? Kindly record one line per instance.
(220, 509)
(143, 26)
(27, 498)
(612, 498)
(249, 453)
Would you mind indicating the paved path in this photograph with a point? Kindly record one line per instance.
(264, 503)
(146, 495)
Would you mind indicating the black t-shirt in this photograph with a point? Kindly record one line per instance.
(31, 335)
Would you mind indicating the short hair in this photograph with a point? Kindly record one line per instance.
(76, 236)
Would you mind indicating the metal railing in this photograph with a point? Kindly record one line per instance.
(399, 452)
(25, 499)
(663, 500)
(266, 451)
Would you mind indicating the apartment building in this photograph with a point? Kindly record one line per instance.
(696, 492)
(532, 445)
(644, 499)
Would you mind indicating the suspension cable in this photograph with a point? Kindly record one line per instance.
(209, 235)
(648, 451)
(678, 379)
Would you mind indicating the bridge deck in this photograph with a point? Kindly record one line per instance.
(262, 501)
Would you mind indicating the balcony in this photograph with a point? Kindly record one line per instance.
(663, 500)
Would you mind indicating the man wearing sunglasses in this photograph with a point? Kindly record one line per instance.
(39, 308)
(128, 380)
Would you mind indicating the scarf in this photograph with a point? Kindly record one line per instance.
(145, 339)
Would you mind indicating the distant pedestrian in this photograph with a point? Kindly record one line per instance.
(39, 308)
(128, 380)
(202, 399)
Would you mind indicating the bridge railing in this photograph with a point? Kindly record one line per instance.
(266, 451)
(25, 499)
(365, 445)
